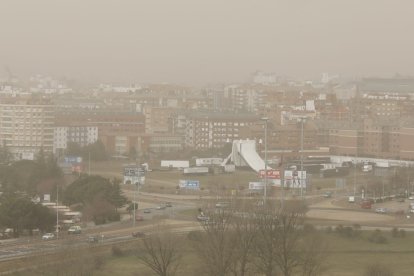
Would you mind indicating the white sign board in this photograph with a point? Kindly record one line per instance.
(256, 185)
(46, 197)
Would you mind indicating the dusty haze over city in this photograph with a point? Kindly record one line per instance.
(199, 42)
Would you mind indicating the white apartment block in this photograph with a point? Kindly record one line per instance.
(26, 127)
(82, 135)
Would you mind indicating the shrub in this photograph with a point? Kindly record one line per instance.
(308, 228)
(377, 237)
(328, 229)
(117, 251)
(397, 233)
(377, 270)
(194, 235)
(394, 232)
(339, 228)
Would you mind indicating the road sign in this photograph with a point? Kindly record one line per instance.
(256, 185)
(189, 184)
(271, 174)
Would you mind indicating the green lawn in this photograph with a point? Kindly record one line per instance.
(345, 256)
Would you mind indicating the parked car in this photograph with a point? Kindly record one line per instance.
(202, 218)
(147, 211)
(93, 239)
(381, 210)
(222, 204)
(138, 234)
(75, 229)
(327, 195)
(48, 236)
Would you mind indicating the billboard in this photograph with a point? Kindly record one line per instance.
(189, 184)
(72, 159)
(271, 174)
(292, 179)
(74, 162)
(134, 175)
(295, 179)
(256, 185)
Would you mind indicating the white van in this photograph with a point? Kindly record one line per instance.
(76, 229)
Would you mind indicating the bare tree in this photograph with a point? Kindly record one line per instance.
(245, 229)
(287, 254)
(216, 245)
(161, 253)
(378, 270)
(313, 254)
(267, 242)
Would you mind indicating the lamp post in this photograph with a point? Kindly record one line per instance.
(57, 211)
(265, 119)
(135, 202)
(302, 120)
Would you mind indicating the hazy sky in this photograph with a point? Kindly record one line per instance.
(195, 41)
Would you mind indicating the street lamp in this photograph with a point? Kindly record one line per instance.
(302, 120)
(265, 120)
(135, 202)
(57, 211)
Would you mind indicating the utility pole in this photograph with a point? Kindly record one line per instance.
(57, 211)
(265, 119)
(302, 119)
(89, 163)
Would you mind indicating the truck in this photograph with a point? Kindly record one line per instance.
(229, 168)
(366, 204)
(177, 164)
(208, 161)
(366, 167)
(196, 170)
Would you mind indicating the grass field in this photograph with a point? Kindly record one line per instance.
(166, 181)
(345, 257)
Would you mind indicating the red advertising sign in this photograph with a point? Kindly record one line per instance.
(271, 174)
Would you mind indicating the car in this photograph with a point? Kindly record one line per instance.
(202, 218)
(411, 198)
(222, 204)
(139, 218)
(411, 210)
(381, 210)
(75, 229)
(327, 195)
(161, 207)
(48, 236)
(138, 234)
(147, 211)
(168, 204)
(93, 239)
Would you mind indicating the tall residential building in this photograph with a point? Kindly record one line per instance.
(81, 134)
(26, 126)
(214, 130)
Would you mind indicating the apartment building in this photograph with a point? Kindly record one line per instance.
(214, 130)
(81, 134)
(286, 138)
(158, 119)
(26, 126)
(118, 130)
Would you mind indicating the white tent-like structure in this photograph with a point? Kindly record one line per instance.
(244, 154)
